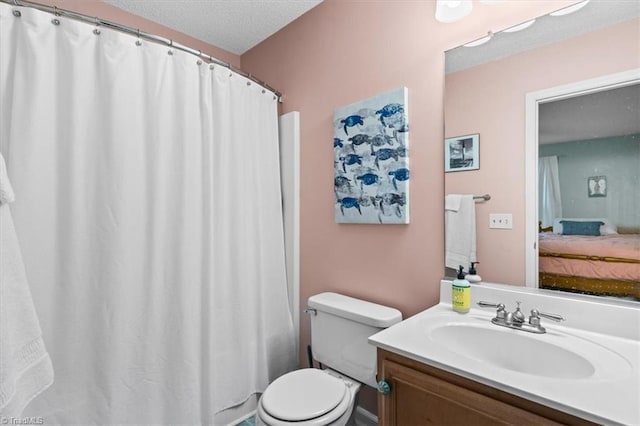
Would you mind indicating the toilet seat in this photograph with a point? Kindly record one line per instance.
(307, 397)
(302, 395)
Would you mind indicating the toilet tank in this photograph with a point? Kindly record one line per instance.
(340, 328)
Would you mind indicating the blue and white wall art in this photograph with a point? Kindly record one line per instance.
(371, 160)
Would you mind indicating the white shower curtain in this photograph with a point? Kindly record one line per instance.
(549, 199)
(148, 210)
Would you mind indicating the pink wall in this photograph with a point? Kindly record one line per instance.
(344, 51)
(111, 13)
(490, 99)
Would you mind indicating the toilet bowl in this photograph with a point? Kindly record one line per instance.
(308, 397)
(340, 329)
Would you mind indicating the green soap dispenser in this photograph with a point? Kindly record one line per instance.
(461, 293)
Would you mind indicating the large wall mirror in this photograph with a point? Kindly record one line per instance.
(554, 107)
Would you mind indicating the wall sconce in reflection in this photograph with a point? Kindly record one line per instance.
(448, 11)
(479, 41)
(520, 27)
(570, 9)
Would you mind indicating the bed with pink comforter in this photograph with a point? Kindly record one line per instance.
(604, 258)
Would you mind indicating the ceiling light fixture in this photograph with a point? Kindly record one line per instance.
(570, 9)
(448, 11)
(520, 27)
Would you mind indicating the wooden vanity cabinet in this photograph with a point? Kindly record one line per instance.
(422, 395)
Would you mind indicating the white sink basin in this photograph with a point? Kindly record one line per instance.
(512, 351)
(554, 355)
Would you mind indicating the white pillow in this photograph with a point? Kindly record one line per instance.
(607, 229)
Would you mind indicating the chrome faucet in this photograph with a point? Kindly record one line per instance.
(516, 319)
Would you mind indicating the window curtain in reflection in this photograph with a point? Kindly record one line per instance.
(148, 209)
(549, 199)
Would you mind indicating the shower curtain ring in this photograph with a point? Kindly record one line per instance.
(138, 42)
(96, 30)
(55, 21)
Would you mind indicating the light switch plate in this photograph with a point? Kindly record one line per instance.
(501, 220)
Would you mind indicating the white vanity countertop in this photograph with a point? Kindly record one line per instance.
(608, 396)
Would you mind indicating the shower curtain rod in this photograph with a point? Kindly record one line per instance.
(140, 34)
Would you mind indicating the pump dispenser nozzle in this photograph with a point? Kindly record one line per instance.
(461, 272)
(473, 276)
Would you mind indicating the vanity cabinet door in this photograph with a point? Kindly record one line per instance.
(423, 395)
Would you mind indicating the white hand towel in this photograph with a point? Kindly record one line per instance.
(460, 230)
(452, 202)
(25, 366)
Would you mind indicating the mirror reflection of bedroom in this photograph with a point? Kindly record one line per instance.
(589, 193)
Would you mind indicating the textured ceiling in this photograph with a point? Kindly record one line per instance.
(233, 25)
(614, 112)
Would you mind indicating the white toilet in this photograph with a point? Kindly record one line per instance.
(340, 327)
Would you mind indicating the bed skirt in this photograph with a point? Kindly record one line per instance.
(595, 286)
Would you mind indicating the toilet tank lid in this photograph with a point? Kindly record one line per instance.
(355, 309)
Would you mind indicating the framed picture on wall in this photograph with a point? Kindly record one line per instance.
(462, 153)
(597, 186)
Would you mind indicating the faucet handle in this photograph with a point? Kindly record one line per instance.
(500, 313)
(554, 317)
(482, 304)
(534, 319)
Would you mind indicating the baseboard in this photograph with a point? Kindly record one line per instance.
(365, 418)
